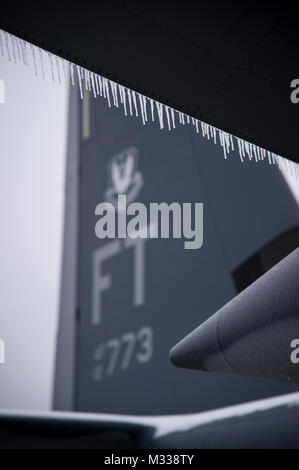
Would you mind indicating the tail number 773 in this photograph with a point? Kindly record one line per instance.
(118, 353)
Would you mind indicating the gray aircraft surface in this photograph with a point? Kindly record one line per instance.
(126, 302)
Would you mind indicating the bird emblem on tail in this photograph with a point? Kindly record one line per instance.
(124, 177)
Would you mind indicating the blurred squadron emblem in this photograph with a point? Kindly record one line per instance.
(124, 177)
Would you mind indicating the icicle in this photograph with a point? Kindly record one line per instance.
(72, 74)
(114, 93)
(86, 79)
(17, 40)
(51, 65)
(216, 135)
(34, 60)
(12, 40)
(100, 85)
(160, 107)
(172, 117)
(80, 81)
(7, 47)
(251, 151)
(58, 68)
(106, 91)
(168, 117)
(120, 94)
(286, 165)
(227, 142)
(104, 87)
(243, 148)
(208, 131)
(112, 86)
(278, 161)
(124, 98)
(223, 144)
(144, 107)
(246, 152)
(258, 153)
(42, 63)
(18, 49)
(231, 141)
(93, 85)
(1, 43)
(135, 103)
(130, 101)
(269, 157)
(96, 84)
(141, 107)
(247, 148)
(89, 80)
(213, 134)
(152, 110)
(240, 150)
(64, 63)
(23, 51)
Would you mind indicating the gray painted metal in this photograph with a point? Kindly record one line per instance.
(246, 206)
(65, 356)
(252, 335)
(270, 423)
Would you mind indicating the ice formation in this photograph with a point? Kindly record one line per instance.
(133, 103)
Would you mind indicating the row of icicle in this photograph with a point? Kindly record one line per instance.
(133, 103)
